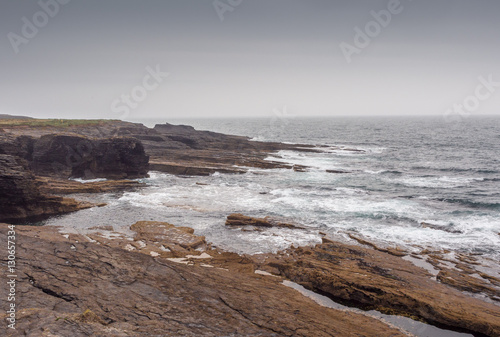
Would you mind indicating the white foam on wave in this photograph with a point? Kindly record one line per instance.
(80, 180)
(273, 240)
(345, 200)
(321, 161)
(259, 139)
(374, 172)
(215, 197)
(471, 224)
(343, 149)
(479, 234)
(312, 198)
(436, 182)
(351, 191)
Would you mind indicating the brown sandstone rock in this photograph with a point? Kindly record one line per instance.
(65, 186)
(377, 280)
(84, 289)
(467, 283)
(237, 219)
(170, 236)
(393, 251)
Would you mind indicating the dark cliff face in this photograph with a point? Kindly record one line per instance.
(20, 195)
(16, 183)
(21, 146)
(81, 157)
(23, 159)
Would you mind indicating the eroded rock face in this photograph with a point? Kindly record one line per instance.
(20, 146)
(20, 195)
(85, 289)
(378, 280)
(81, 157)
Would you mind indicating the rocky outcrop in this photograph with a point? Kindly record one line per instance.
(191, 170)
(174, 149)
(51, 185)
(377, 280)
(237, 219)
(81, 157)
(69, 288)
(195, 139)
(21, 197)
(193, 148)
(62, 156)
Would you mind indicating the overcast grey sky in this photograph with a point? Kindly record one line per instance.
(263, 55)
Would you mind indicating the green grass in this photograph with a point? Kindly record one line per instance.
(53, 122)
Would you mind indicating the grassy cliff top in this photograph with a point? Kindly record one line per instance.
(53, 122)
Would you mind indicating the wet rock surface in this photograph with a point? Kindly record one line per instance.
(64, 186)
(239, 220)
(68, 288)
(377, 280)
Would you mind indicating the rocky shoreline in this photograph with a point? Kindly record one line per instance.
(167, 281)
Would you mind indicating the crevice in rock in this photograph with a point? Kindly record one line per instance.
(49, 291)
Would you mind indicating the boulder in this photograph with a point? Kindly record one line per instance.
(176, 239)
(237, 219)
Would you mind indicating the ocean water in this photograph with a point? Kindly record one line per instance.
(410, 170)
